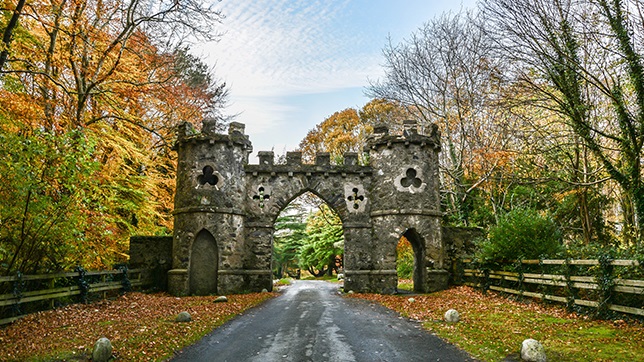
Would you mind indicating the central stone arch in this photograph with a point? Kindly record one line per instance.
(218, 190)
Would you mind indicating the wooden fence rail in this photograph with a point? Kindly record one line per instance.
(135, 278)
(484, 277)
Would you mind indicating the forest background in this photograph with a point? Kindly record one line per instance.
(540, 104)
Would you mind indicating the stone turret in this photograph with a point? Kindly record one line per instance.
(406, 202)
(208, 204)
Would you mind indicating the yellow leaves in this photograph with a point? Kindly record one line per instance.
(346, 130)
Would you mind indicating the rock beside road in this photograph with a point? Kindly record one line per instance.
(532, 351)
(183, 317)
(102, 350)
(452, 316)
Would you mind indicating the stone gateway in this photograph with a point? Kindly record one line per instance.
(225, 210)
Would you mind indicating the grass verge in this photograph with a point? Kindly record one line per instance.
(493, 327)
(140, 326)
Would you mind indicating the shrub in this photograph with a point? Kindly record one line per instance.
(404, 259)
(520, 234)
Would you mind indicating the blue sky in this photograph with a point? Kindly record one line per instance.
(290, 64)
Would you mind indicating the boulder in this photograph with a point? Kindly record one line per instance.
(340, 276)
(452, 316)
(411, 300)
(264, 290)
(102, 350)
(221, 299)
(183, 317)
(532, 351)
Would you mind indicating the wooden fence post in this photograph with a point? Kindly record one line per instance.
(83, 285)
(606, 284)
(18, 288)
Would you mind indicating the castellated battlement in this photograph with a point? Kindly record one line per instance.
(294, 164)
(410, 134)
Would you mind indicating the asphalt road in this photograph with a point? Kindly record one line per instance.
(311, 322)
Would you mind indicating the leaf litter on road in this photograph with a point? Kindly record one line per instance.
(140, 326)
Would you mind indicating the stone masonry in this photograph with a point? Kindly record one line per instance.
(225, 210)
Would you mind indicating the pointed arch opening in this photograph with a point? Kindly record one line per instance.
(204, 264)
(308, 239)
(410, 254)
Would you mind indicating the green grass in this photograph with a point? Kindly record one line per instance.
(283, 281)
(404, 284)
(564, 339)
(492, 327)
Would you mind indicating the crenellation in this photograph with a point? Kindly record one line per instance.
(294, 158)
(209, 125)
(236, 127)
(323, 158)
(380, 130)
(350, 159)
(266, 158)
(410, 127)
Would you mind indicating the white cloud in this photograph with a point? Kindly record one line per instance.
(282, 47)
(273, 51)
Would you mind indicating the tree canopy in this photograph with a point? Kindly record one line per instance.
(90, 95)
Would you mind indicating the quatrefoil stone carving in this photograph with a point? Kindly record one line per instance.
(355, 198)
(262, 196)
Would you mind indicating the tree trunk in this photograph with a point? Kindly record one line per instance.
(8, 32)
(638, 201)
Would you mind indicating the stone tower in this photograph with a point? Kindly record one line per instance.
(209, 208)
(406, 202)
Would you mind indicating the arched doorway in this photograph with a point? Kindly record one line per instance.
(308, 239)
(410, 239)
(204, 260)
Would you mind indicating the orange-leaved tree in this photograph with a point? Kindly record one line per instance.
(93, 90)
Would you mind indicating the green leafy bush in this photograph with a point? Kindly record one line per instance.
(404, 259)
(521, 234)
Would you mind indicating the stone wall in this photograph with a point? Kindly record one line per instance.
(153, 253)
(459, 242)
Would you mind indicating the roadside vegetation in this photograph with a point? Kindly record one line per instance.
(492, 327)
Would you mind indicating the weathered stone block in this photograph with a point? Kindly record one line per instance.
(266, 158)
(294, 158)
(323, 158)
(178, 282)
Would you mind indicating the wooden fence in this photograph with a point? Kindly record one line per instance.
(600, 287)
(78, 286)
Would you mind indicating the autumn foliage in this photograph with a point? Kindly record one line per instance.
(90, 95)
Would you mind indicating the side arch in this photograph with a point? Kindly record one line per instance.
(204, 264)
(418, 246)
